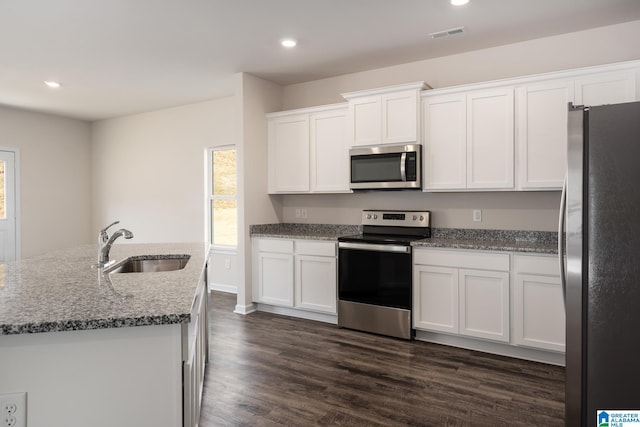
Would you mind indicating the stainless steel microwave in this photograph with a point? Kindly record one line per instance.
(386, 167)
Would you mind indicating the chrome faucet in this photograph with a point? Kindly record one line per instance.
(105, 242)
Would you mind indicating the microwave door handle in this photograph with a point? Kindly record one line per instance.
(403, 167)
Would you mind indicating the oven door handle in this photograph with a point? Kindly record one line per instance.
(375, 247)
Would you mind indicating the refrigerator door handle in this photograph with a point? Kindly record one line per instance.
(561, 242)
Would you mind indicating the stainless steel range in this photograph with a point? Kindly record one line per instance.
(375, 272)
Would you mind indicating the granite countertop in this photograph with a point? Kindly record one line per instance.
(62, 291)
(541, 242)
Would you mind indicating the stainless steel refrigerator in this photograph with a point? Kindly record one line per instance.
(602, 294)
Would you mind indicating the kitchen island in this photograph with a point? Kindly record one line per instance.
(99, 349)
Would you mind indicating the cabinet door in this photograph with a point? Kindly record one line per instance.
(539, 319)
(400, 117)
(435, 298)
(365, 117)
(484, 304)
(275, 279)
(315, 285)
(288, 148)
(542, 134)
(490, 139)
(329, 152)
(445, 142)
(606, 88)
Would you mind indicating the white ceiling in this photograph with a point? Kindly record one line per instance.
(118, 57)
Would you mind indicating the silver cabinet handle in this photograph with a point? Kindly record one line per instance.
(375, 247)
(561, 243)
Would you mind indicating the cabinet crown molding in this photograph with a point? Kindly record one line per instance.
(308, 110)
(387, 89)
(531, 78)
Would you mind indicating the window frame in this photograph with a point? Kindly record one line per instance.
(212, 197)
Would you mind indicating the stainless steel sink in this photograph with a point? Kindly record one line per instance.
(150, 264)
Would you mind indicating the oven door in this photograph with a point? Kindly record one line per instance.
(376, 274)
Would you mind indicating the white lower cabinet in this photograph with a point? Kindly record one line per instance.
(538, 305)
(314, 289)
(435, 298)
(484, 304)
(509, 298)
(462, 292)
(275, 272)
(299, 274)
(195, 356)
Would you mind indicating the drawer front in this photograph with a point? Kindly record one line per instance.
(460, 259)
(530, 264)
(315, 247)
(284, 246)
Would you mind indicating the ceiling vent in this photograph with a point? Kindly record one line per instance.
(447, 33)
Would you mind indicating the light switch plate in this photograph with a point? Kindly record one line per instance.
(477, 215)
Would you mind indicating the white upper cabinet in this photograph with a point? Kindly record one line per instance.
(384, 116)
(542, 133)
(445, 142)
(365, 120)
(490, 139)
(308, 150)
(329, 151)
(606, 88)
(541, 108)
(288, 147)
(468, 140)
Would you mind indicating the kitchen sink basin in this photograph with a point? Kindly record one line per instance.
(151, 264)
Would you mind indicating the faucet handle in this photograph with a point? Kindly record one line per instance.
(103, 233)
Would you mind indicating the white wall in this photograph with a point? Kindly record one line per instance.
(149, 170)
(255, 97)
(511, 210)
(54, 178)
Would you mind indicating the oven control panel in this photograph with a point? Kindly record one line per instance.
(397, 218)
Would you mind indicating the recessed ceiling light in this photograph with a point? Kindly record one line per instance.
(288, 42)
(52, 84)
(459, 2)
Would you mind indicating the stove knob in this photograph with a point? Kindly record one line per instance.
(368, 216)
(375, 216)
(421, 218)
(415, 217)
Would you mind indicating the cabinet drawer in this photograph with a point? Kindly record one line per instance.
(276, 245)
(529, 264)
(319, 248)
(474, 260)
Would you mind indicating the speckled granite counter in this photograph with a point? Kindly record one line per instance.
(541, 242)
(489, 240)
(304, 231)
(61, 291)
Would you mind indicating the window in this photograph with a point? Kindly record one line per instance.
(223, 197)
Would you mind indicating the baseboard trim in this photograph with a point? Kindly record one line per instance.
(244, 309)
(303, 314)
(230, 289)
(548, 357)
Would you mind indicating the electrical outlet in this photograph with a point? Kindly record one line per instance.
(227, 263)
(13, 410)
(477, 215)
(298, 214)
(303, 213)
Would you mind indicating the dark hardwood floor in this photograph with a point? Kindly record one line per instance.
(268, 370)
